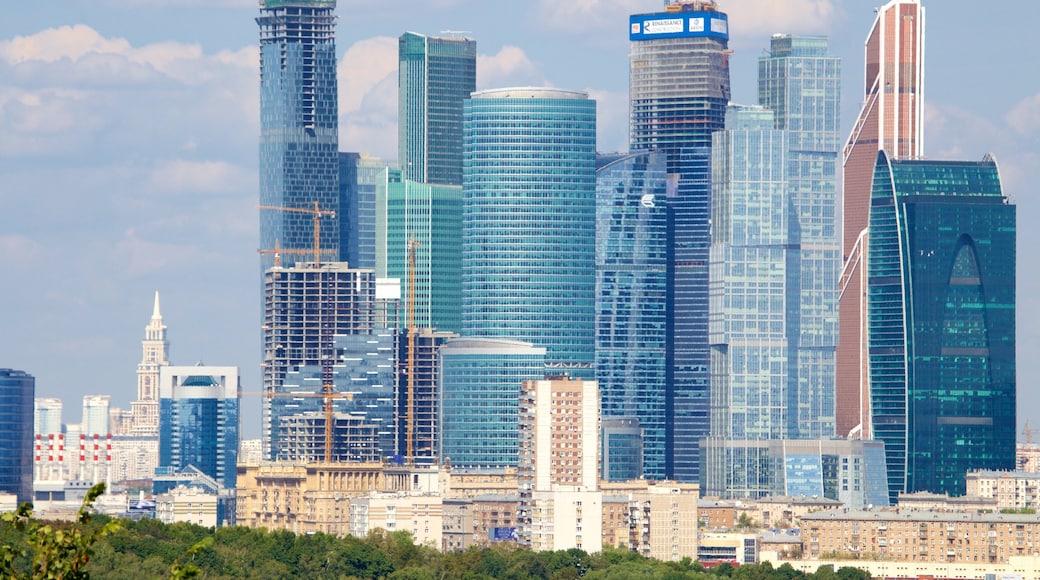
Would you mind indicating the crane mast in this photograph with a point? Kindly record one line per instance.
(410, 425)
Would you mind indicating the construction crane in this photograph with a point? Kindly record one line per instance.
(325, 341)
(410, 425)
(325, 395)
(317, 213)
(278, 251)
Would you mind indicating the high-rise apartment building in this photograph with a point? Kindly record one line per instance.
(480, 381)
(95, 415)
(17, 391)
(47, 416)
(435, 75)
(305, 307)
(154, 355)
(426, 220)
(529, 225)
(679, 88)
(199, 420)
(941, 321)
(891, 120)
(631, 300)
(558, 474)
(299, 127)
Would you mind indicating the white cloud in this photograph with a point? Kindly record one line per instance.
(18, 250)
(611, 120)
(364, 65)
(510, 67)
(52, 44)
(183, 176)
(1025, 116)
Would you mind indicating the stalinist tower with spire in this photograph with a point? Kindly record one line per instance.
(145, 409)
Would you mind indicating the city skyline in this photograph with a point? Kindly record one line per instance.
(134, 214)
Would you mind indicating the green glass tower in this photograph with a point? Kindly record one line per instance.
(941, 321)
(436, 74)
(430, 216)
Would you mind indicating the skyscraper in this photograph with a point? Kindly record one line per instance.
(941, 321)
(891, 119)
(359, 175)
(528, 221)
(47, 416)
(95, 415)
(154, 352)
(480, 381)
(17, 391)
(679, 88)
(299, 126)
(430, 216)
(199, 420)
(631, 299)
(436, 74)
(424, 392)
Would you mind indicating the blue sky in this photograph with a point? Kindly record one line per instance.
(128, 149)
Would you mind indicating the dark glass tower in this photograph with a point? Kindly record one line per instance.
(17, 392)
(299, 128)
(941, 321)
(631, 286)
(436, 74)
(679, 88)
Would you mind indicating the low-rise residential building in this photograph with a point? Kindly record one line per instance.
(1007, 489)
(920, 536)
(420, 514)
(187, 504)
(784, 511)
(941, 502)
(494, 518)
(663, 521)
(716, 514)
(458, 525)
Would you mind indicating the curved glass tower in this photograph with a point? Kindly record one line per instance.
(528, 221)
(631, 289)
(941, 321)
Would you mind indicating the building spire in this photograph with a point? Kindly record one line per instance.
(155, 309)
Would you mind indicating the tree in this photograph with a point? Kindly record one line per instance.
(53, 551)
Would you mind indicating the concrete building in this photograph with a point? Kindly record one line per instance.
(735, 548)
(187, 504)
(1027, 456)
(155, 350)
(921, 536)
(495, 518)
(457, 534)
(1010, 489)
(418, 395)
(422, 515)
(663, 520)
(891, 119)
(560, 504)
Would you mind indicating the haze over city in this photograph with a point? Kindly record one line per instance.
(129, 129)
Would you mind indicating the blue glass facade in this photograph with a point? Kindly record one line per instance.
(435, 76)
(941, 321)
(480, 381)
(199, 420)
(679, 88)
(631, 289)
(17, 393)
(357, 217)
(299, 126)
(621, 455)
(529, 225)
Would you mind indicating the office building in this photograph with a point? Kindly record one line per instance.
(418, 419)
(480, 381)
(435, 75)
(679, 88)
(362, 379)
(892, 120)
(426, 220)
(941, 321)
(529, 231)
(631, 305)
(305, 306)
(801, 83)
(199, 420)
(17, 391)
(155, 349)
(299, 128)
(560, 504)
(621, 455)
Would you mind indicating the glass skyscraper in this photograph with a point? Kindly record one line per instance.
(299, 127)
(480, 383)
(435, 75)
(529, 222)
(17, 392)
(941, 321)
(431, 216)
(679, 88)
(631, 298)
(199, 420)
